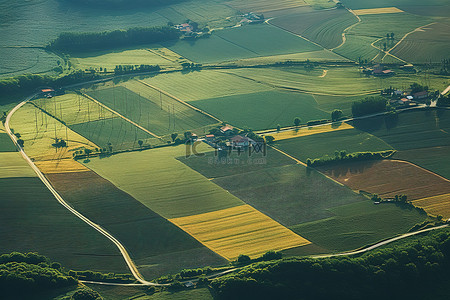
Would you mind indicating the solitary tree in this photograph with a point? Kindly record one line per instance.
(174, 136)
(278, 128)
(336, 115)
(140, 142)
(269, 139)
(297, 121)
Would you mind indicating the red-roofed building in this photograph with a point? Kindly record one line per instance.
(227, 130)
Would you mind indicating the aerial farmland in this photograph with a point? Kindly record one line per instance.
(209, 149)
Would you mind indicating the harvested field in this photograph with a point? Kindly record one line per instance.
(12, 164)
(66, 165)
(436, 205)
(157, 246)
(376, 11)
(388, 178)
(239, 230)
(305, 131)
(32, 220)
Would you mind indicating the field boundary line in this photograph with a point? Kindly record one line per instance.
(402, 39)
(132, 267)
(160, 55)
(422, 168)
(179, 100)
(120, 116)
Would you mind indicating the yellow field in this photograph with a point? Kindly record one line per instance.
(12, 164)
(109, 60)
(72, 109)
(239, 230)
(67, 165)
(261, 6)
(39, 137)
(375, 11)
(284, 135)
(436, 205)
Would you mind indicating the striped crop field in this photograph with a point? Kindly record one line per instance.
(262, 6)
(239, 230)
(12, 164)
(67, 165)
(305, 131)
(38, 130)
(436, 205)
(376, 11)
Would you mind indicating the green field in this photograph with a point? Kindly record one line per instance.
(18, 61)
(12, 164)
(239, 43)
(204, 85)
(373, 28)
(324, 27)
(421, 137)
(160, 118)
(429, 45)
(362, 4)
(6, 145)
(120, 133)
(318, 145)
(358, 224)
(157, 246)
(32, 220)
(263, 110)
(162, 183)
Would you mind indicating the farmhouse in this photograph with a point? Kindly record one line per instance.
(420, 95)
(239, 141)
(185, 28)
(227, 130)
(252, 18)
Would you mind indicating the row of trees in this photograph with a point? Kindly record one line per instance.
(130, 69)
(94, 41)
(416, 270)
(340, 156)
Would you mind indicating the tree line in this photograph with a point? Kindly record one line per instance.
(414, 270)
(340, 156)
(369, 105)
(95, 41)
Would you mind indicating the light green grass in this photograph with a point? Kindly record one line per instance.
(12, 164)
(318, 145)
(162, 183)
(358, 224)
(204, 85)
(263, 110)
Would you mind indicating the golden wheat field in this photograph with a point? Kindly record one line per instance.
(239, 230)
(376, 11)
(284, 135)
(436, 205)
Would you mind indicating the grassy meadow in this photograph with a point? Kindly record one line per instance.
(12, 164)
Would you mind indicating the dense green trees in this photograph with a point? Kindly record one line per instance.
(336, 115)
(443, 101)
(94, 41)
(409, 271)
(341, 156)
(369, 105)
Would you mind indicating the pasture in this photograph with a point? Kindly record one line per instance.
(33, 221)
(241, 42)
(429, 44)
(164, 184)
(12, 164)
(318, 145)
(17, 61)
(239, 230)
(388, 178)
(366, 4)
(324, 27)
(305, 131)
(157, 246)
(263, 110)
(355, 225)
